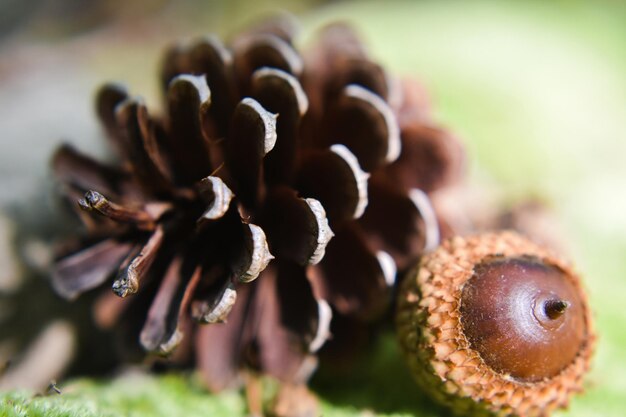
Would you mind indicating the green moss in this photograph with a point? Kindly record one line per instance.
(131, 395)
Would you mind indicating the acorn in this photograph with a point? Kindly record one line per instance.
(496, 325)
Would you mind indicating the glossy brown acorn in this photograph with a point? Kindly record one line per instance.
(496, 325)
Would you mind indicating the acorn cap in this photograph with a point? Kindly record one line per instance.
(496, 325)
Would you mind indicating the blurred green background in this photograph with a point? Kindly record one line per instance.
(536, 89)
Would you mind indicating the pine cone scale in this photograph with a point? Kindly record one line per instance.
(108, 97)
(129, 115)
(334, 177)
(221, 363)
(404, 233)
(351, 276)
(280, 93)
(263, 50)
(88, 268)
(288, 321)
(364, 123)
(297, 229)
(210, 58)
(431, 158)
(253, 134)
(129, 277)
(188, 99)
(84, 173)
(160, 333)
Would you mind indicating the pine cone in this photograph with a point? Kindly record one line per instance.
(274, 193)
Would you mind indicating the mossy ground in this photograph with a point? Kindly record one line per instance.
(537, 91)
(130, 395)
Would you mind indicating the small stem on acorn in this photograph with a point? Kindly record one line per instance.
(555, 308)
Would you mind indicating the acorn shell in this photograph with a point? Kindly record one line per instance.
(439, 353)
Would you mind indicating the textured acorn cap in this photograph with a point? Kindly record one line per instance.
(450, 362)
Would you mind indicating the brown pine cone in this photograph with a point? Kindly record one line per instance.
(274, 192)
